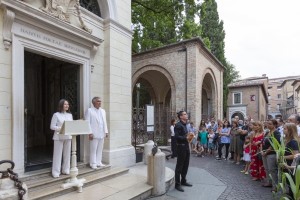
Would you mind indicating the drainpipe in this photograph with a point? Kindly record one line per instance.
(186, 78)
(186, 81)
(258, 100)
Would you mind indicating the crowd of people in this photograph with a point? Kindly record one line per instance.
(248, 143)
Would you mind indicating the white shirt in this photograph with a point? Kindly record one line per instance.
(97, 122)
(172, 130)
(298, 130)
(57, 121)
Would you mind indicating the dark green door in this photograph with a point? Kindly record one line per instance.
(47, 80)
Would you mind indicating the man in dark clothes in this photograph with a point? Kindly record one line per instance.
(183, 151)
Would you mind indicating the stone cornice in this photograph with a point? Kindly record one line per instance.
(110, 23)
(189, 42)
(31, 15)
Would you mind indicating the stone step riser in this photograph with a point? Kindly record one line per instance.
(54, 181)
(144, 195)
(44, 174)
(65, 191)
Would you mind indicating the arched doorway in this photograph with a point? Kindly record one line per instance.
(239, 114)
(151, 87)
(209, 105)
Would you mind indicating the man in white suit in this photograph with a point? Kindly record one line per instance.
(98, 130)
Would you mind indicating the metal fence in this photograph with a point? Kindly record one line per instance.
(162, 118)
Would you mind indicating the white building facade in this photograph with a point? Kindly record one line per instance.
(55, 50)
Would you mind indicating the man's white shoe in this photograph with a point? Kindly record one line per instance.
(93, 166)
(101, 165)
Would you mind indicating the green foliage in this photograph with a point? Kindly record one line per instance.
(157, 23)
(283, 176)
(213, 30)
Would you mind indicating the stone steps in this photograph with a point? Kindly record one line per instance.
(127, 186)
(44, 186)
(102, 184)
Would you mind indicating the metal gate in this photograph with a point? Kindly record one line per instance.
(162, 118)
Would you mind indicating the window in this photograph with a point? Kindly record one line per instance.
(91, 5)
(278, 106)
(278, 96)
(237, 98)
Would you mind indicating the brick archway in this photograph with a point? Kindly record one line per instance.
(161, 89)
(209, 94)
(158, 70)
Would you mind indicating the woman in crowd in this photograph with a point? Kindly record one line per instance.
(62, 143)
(256, 166)
(291, 148)
(225, 140)
(235, 144)
(173, 140)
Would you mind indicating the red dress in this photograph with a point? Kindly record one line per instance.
(256, 166)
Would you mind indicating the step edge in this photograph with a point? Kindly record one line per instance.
(86, 184)
(62, 179)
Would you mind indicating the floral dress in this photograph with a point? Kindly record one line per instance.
(256, 167)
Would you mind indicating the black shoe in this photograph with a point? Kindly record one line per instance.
(218, 158)
(187, 184)
(179, 188)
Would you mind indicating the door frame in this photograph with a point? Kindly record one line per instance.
(70, 52)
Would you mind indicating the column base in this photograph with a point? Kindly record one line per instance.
(121, 157)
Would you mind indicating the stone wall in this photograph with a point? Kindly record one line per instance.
(5, 98)
(171, 61)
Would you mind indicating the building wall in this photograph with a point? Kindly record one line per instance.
(274, 91)
(172, 61)
(164, 62)
(262, 106)
(206, 66)
(255, 109)
(5, 98)
(110, 79)
(287, 91)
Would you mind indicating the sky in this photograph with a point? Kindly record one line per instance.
(262, 36)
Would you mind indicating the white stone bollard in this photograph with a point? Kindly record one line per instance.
(157, 172)
(147, 149)
(9, 191)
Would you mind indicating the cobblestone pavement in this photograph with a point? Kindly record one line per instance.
(238, 185)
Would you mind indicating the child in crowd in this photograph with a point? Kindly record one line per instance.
(202, 135)
(211, 136)
(194, 143)
(246, 156)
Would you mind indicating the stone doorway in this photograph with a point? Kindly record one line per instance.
(47, 80)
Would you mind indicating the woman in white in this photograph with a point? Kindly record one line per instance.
(173, 140)
(62, 143)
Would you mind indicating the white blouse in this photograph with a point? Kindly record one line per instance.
(172, 130)
(56, 123)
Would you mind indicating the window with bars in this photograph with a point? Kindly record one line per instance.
(237, 98)
(91, 5)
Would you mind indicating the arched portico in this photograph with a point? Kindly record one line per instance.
(183, 75)
(152, 85)
(209, 95)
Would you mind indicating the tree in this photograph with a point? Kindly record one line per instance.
(157, 23)
(213, 30)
